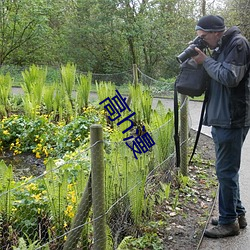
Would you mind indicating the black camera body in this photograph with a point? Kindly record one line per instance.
(190, 51)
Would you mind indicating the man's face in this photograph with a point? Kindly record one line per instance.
(211, 38)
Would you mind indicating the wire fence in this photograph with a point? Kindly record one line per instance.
(158, 87)
(57, 209)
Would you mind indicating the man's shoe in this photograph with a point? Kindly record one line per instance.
(221, 231)
(241, 219)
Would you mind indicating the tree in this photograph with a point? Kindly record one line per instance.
(237, 12)
(21, 21)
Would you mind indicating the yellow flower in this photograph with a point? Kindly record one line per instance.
(6, 132)
(38, 156)
(69, 211)
(73, 199)
(31, 187)
(14, 209)
(37, 196)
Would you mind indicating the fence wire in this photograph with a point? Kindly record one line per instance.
(48, 203)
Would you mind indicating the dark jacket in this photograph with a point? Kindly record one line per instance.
(228, 103)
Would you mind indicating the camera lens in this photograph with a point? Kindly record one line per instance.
(187, 53)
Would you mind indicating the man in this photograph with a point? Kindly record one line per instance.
(228, 112)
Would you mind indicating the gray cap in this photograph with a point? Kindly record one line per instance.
(210, 23)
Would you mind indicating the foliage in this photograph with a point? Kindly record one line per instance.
(147, 241)
(34, 81)
(22, 245)
(68, 74)
(5, 90)
(30, 204)
(42, 137)
(22, 23)
(104, 90)
(162, 129)
(142, 108)
(106, 36)
(83, 91)
(6, 184)
(51, 200)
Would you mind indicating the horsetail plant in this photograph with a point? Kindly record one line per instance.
(104, 90)
(143, 107)
(68, 74)
(33, 85)
(56, 184)
(6, 184)
(48, 98)
(161, 126)
(5, 89)
(83, 91)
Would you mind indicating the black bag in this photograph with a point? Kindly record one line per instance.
(192, 80)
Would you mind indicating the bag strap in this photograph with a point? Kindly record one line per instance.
(176, 126)
(199, 127)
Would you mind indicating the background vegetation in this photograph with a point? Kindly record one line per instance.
(103, 36)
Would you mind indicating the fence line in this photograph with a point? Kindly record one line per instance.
(100, 239)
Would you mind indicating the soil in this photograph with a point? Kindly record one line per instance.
(25, 164)
(187, 222)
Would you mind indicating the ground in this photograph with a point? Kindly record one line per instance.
(187, 223)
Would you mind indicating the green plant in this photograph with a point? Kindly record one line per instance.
(5, 90)
(68, 74)
(29, 245)
(147, 241)
(83, 91)
(56, 184)
(184, 181)
(48, 98)
(30, 207)
(6, 184)
(161, 127)
(164, 191)
(104, 90)
(143, 107)
(34, 81)
(176, 199)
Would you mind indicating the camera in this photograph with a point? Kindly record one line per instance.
(190, 51)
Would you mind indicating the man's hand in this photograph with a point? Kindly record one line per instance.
(200, 58)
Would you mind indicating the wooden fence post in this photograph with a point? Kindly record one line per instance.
(98, 195)
(80, 218)
(135, 74)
